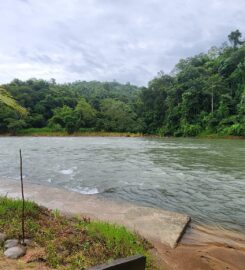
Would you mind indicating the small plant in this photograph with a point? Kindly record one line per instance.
(56, 213)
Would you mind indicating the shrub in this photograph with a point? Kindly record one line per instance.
(191, 130)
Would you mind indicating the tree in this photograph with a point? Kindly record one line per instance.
(14, 125)
(85, 114)
(214, 86)
(65, 118)
(117, 116)
(153, 100)
(234, 38)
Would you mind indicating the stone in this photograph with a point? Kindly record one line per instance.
(15, 252)
(11, 243)
(3, 237)
(28, 242)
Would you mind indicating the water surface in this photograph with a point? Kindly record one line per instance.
(202, 178)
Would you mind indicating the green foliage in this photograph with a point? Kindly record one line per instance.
(14, 125)
(236, 130)
(205, 94)
(8, 100)
(85, 114)
(64, 117)
(68, 107)
(190, 130)
(116, 116)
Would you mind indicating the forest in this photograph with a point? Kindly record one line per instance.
(204, 94)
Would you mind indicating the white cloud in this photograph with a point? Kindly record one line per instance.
(126, 40)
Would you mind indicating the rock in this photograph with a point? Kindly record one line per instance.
(3, 237)
(15, 252)
(11, 243)
(28, 242)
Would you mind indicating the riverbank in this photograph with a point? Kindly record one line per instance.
(47, 132)
(204, 248)
(219, 136)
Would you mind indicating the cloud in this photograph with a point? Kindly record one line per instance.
(125, 40)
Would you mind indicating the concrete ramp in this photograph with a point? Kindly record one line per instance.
(151, 223)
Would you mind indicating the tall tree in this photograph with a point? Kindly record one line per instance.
(234, 38)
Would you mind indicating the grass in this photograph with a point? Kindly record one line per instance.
(70, 243)
(82, 132)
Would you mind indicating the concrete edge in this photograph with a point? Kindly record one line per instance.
(11, 191)
(182, 232)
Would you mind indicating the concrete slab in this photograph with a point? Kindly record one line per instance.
(151, 223)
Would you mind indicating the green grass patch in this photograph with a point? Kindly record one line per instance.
(46, 131)
(70, 243)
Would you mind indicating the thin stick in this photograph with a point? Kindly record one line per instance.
(23, 200)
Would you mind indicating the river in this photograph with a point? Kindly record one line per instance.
(202, 178)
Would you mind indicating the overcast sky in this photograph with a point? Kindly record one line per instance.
(125, 40)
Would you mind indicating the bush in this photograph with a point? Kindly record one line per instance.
(55, 127)
(235, 129)
(190, 130)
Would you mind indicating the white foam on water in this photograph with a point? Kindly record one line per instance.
(17, 177)
(86, 190)
(67, 172)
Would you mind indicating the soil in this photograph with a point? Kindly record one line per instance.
(204, 249)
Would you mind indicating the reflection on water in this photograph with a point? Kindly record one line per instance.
(203, 178)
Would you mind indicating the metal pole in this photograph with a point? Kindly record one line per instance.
(23, 199)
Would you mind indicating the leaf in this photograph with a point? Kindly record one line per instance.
(8, 100)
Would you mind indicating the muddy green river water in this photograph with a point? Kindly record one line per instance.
(202, 178)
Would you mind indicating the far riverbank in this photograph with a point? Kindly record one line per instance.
(46, 132)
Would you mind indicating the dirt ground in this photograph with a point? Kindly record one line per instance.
(204, 249)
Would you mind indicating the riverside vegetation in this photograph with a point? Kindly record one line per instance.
(203, 95)
(69, 243)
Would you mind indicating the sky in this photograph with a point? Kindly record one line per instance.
(122, 40)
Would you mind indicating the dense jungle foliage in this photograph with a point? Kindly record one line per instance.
(204, 94)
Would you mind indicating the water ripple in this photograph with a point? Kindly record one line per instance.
(202, 178)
